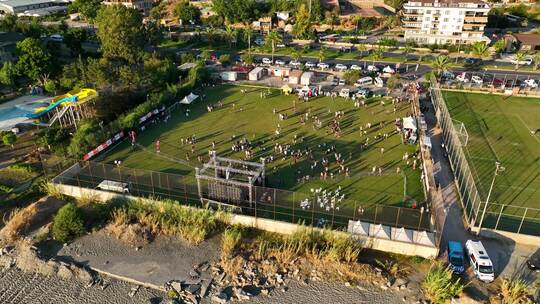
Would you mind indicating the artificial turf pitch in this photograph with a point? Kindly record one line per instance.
(504, 129)
(247, 115)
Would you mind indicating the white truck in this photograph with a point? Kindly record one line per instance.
(480, 261)
(109, 185)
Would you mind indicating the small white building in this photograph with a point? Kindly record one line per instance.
(279, 71)
(294, 76)
(256, 73)
(307, 78)
(228, 76)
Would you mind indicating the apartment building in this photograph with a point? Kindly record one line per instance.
(445, 21)
(142, 6)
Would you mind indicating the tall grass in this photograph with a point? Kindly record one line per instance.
(170, 218)
(439, 286)
(17, 222)
(230, 239)
(514, 291)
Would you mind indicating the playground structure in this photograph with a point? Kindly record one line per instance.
(67, 109)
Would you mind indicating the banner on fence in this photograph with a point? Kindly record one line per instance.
(104, 145)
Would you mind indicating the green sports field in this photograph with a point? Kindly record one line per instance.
(506, 130)
(247, 115)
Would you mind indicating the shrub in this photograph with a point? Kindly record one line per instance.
(439, 286)
(68, 223)
(225, 59)
(514, 291)
(230, 239)
(9, 139)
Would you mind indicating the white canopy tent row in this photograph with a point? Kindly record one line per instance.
(189, 99)
(391, 233)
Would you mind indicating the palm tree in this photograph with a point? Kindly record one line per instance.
(362, 48)
(248, 32)
(536, 60)
(377, 54)
(322, 54)
(295, 54)
(520, 56)
(441, 64)
(406, 50)
(230, 34)
(211, 34)
(273, 38)
(480, 49)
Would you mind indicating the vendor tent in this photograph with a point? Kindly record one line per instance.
(409, 123)
(402, 234)
(379, 231)
(424, 238)
(358, 227)
(189, 99)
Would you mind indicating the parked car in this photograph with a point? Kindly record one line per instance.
(472, 61)
(372, 68)
(356, 67)
(310, 64)
(323, 65)
(462, 77)
(341, 67)
(280, 62)
(56, 38)
(335, 81)
(534, 261)
(531, 83)
(447, 75)
(480, 261)
(114, 186)
(456, 257)
(525, 61)
(342, 82)
(477, 79)
(295, 63)
(259, 41)
(267, 60)
(364, 93)
(363, 81)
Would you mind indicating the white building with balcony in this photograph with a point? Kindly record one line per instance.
(445, 21)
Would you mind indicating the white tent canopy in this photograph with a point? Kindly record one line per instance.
(379, 231)
(424, 238)
(402, 234)
(189, 99)
(409, 123)
(358, 227)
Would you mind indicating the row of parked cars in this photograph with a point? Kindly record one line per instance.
(465, 77)
(479, 260)
(326, 66)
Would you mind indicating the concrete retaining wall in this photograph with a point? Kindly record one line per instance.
(524, 239)
(405, 248)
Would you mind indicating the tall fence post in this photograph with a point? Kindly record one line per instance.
(375, 215)
(293, 203)
(168, 185)
(499, 217)
(152, 182)
(90, 171)
(274, 200)
(522, 220)
(397, 217)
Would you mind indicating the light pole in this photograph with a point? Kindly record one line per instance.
(498, 168)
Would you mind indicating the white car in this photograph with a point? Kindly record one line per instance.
(56, 38)
(280, 62)
(259, 41)
(295, 63)
(477, 79)
(267, 60)
(462, 77)
(372, 68)
(388, 69)
(310, 64)
(323, 65)
(342, 82)
(356, 67)
(525, 61)
(109, 185)
(341, 67)
(531, 83)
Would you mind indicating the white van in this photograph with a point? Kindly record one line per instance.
(379, 83)
(480, 261)
(364, 81)
(114, 186)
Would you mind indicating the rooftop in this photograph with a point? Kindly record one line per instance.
(533, 39)
(447, 3)
(17, 3)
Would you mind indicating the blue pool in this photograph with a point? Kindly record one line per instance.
(15, 111)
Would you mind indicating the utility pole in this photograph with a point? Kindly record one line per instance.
(498, 168)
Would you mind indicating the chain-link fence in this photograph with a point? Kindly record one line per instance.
(501, 217)
(321, 208)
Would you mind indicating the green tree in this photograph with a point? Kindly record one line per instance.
(73, 38)
(8, 23)
(439, 285)
(352, 76)
(248, 34)
(520, 56)
(500, 45)
(273, 38)
(362, 48)
(302, 25)
(377, 54)
(407, 49)
(187, 13)
(87, 8)
(322, 55)
(231, 35)
(235, 10)
(8, 74)
(87, 137)
(9, 139)
(295, 54)
(441, 64)
(68, 223)
(536, 60)
(34, 59)
(480, 49)
(393, 82)
(247, 58)
(50, 86)
(121, 32)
